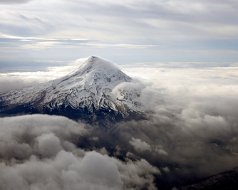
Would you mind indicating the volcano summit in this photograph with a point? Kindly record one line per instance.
(96, 92)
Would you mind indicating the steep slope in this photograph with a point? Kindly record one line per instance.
(87, 93)
(225, 180)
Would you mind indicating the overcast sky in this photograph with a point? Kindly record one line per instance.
(40, 33)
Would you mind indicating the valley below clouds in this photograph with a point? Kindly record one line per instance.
(190, 133)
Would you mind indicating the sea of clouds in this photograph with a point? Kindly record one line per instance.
(191, 133)
(44, 152)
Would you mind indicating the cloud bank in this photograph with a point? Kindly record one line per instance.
(191, 133)
(13, 1)
(132, 31)
(192, 129)
(43, 152)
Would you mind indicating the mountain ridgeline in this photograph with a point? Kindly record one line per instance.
(96, 92)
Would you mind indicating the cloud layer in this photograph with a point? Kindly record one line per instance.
(13, 1)
(42, 152)
(191, 133)
(132, 31)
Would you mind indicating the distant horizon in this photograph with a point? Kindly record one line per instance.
(19, 66)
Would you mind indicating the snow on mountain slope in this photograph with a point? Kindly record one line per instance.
(96, 87)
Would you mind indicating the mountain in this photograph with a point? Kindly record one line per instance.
(96, 92)
(225, 180)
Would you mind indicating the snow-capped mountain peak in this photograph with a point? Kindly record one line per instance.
(93, 72)
(86, 93)
(94, 63)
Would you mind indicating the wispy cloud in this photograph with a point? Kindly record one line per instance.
(39, 43)
(108, 27)
(13, 1)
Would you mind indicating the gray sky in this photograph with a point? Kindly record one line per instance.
(40, 33)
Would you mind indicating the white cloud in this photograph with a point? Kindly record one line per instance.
(48, 145)
(195, 105)
(194, 118)
(139, 145)
(65, 171)
(13, 1)
(157, 27)
(43, 152)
